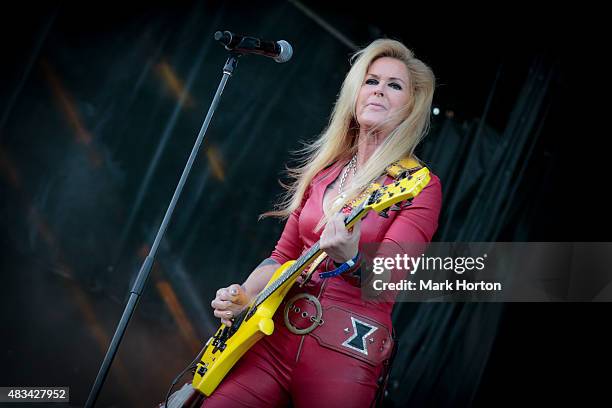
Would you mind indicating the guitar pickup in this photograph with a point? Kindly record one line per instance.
(219, 346)
(202, 370)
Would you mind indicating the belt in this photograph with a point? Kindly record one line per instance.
(303, 313)
(338, 328)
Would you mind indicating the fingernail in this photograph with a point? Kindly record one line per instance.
(233, 291)
(228, 313)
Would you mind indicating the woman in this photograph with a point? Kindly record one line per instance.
(380, 116)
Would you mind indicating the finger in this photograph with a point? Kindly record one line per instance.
(356, 229)
(334, 226)
(326, 234)
(331, 227)
(325, 230)
(224, 295)
(220, 304)
(340, 226)
(339, 219)
(226, 322)
(223, 314)
(323, 244)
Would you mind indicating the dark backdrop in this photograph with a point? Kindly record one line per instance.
(100, 105)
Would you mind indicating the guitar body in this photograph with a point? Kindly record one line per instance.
(215, 362)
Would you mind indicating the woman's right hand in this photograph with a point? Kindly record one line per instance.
(229, 302)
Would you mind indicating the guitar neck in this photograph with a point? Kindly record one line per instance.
(306, 259)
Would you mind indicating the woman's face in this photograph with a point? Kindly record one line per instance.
(384, 92)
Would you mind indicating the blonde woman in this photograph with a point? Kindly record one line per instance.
(380, 116)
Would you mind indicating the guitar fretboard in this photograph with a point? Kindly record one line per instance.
(304, 260)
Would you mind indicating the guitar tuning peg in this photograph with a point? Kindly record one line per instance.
(384, 213)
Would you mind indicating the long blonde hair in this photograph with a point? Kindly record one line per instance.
(339, 140)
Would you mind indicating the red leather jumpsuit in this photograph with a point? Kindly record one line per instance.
(331, 366)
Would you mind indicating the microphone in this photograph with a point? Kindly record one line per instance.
(279, 51)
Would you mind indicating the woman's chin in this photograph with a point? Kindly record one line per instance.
(371, 121)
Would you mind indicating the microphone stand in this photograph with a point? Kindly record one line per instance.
(146, 267)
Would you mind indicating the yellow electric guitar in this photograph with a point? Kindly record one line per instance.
(228, 344)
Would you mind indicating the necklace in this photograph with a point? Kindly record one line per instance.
(352, 165)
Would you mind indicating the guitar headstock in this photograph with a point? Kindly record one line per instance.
(402, 189)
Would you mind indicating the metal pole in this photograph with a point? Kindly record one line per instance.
(143, 274)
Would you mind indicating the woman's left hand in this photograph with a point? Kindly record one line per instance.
(339, 243)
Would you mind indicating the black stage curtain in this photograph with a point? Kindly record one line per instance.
(100, 108)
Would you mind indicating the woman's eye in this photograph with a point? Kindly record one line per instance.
(371, 81)
(396, 86)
